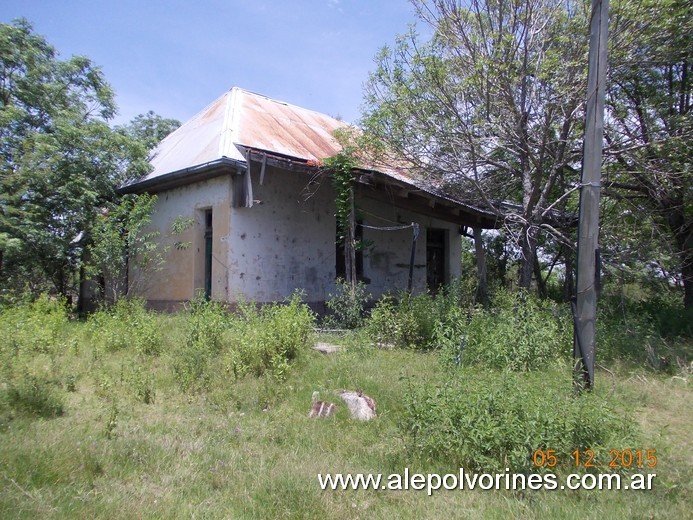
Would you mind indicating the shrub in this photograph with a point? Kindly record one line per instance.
(407, 322)
(421, 322)
(127, 324)
(623, 335)
(205, 325)
(253, 341)
(495, 420)
(36, 327)
(347, 306)
(520, 332)
(33, 338)
(269, 339)
(142, 383)
(35, 395)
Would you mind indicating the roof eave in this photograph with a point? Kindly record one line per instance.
(200, 172)
(439, 205)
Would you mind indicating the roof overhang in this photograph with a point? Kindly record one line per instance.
(201, 172)
(409, 196)
(373, 184)
(398, 192)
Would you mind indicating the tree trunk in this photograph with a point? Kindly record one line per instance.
(687, 274)
(683, 241)
(529, 246)
(541, 285)
(569, 280)
(350, 249)
(682, 230)
(482, 287)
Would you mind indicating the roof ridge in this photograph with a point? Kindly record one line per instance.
(286, 103)
(228, 128)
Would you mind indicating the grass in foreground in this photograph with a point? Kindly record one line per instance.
(246, 449)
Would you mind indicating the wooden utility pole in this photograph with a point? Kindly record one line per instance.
(585, 308)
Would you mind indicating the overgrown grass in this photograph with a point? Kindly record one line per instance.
(132, 442)
(519, 333)
(419, 322)
(495, 420)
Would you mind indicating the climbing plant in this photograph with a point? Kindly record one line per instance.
(340, 168)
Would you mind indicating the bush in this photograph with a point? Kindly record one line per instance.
(519, 332)
(127, 324)
(35, 395)
(205, 325)
(269, 339)
(655, 331)
(489, 421)
(623, 335)
(33, 339)
(347, 307)
(36, 327)
(253, 341)
(421, 322)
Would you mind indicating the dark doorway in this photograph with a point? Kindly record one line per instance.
(341, 261)
(208, 254)
(435, 259)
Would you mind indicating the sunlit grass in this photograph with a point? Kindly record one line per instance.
(246, 448)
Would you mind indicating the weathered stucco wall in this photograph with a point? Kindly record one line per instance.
(386, 261)
(285, 242)
(183, 271)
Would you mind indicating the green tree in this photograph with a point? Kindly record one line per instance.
(150, 128)
(491, 107)
(123, 250)
(649, 132)
(60, 161)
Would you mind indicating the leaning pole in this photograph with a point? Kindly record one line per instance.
(585, 306)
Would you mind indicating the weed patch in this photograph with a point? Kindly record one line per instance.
(37, 396)
(520, 333)
(495, 420)
(421, 322)
(126, 325)
(347, 305)
(269, 339)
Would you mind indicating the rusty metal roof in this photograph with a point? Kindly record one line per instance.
(240, 119)
(241, 122)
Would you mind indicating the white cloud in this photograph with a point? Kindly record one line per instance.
(335, 4)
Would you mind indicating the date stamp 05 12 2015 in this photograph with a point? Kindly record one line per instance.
(618, 459)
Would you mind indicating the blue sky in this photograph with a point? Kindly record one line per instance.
(175, 57)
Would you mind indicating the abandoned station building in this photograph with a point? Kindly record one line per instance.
(245, 173)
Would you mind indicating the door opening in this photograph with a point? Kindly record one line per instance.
(208, 254)
(436, 253)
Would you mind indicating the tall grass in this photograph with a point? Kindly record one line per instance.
(132, 442)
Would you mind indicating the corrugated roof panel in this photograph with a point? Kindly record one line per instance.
(196, 142)
(286, 129)
(242, 118)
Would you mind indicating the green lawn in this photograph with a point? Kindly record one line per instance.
(246, 449)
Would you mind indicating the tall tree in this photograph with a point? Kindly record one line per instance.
(649, 128)
(491, 106)
(59, 159)
(150, 128)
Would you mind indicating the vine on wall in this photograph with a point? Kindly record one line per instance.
(341, 170)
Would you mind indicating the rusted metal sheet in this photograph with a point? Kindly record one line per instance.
(243, 119)
(241, 126)
(196, 142)
(286, 129)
